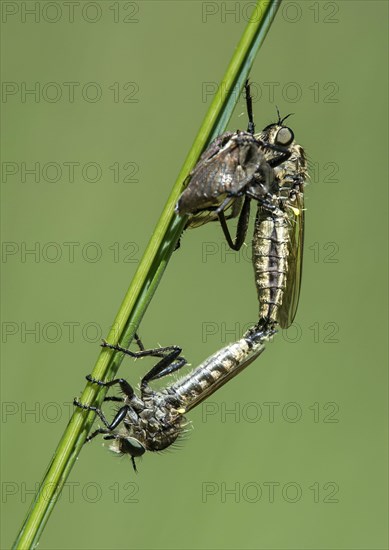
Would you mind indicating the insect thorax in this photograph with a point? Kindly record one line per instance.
(156, 424)
(291, 174)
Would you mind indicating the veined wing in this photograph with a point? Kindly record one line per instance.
(288, 308)
(202, 217)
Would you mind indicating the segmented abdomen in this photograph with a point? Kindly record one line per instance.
(215, 372)
(270, 260)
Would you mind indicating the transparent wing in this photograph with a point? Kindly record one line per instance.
(288, 309)
(232, 210)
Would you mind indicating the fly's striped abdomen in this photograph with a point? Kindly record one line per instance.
(270, 260)
(216, 371)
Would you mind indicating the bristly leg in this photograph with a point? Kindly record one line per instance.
(169, 364)
(125, 387)
(152, 352)
(249, 106)
(109, 427)
(171, 360)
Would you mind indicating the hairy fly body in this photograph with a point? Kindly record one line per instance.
(154, 420)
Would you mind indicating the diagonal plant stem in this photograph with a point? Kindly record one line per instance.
(147, 277)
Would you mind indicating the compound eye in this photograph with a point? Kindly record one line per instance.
(131, 446)
(284, 136)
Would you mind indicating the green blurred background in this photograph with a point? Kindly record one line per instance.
(300, 462)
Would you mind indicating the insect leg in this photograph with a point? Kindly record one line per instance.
(154, 352)
(139, 342)
(284, 153)
(249, 106)
(241, 230)
(119, 417)
(280, 159)
(170, 362)
(125, 387)
(167, 365)
(114, 398)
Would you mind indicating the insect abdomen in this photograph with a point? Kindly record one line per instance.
(270, 260)
(214, 372)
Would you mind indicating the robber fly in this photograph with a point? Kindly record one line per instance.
(234, 169)
(154, 420)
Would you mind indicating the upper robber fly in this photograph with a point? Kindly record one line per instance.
(235, 168)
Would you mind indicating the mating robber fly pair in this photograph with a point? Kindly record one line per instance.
(236, 168)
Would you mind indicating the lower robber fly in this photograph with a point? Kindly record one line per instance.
(154, 420)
